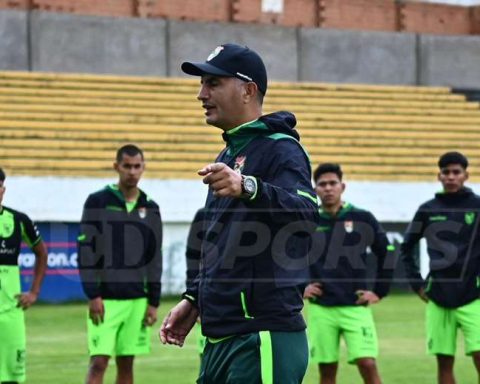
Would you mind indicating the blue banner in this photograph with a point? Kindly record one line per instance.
(62, 281)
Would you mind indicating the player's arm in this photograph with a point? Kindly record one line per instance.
(154, 268)
(89, 257)
(31, 236)
(194, 245)
(385, 253)
(408, 256)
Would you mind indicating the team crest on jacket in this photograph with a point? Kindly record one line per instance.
(7, 229)
(469, 218)
(142, 212)
(239, 164)
(348, 226)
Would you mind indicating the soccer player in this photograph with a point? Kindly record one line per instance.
(259, 209)
(339, 296)
(449, 222)
(15, 227)
(120, 263)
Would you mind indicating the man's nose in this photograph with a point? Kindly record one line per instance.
(202, 93)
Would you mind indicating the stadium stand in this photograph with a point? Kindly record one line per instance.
(69, 125)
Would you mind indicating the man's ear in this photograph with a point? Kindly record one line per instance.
(250, 92)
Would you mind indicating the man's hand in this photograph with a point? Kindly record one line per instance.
(421, 293)
(224, 181)
(96, 310)
(178, 323)
(25, 300)
(150, 317)
(313, 290)
(366, 297)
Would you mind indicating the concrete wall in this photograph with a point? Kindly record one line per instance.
(13, 41)
(450, 60)
(132, 46)
(194, 41)
(357, 57)
(72, 43)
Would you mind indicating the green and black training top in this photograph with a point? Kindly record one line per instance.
(15, 227)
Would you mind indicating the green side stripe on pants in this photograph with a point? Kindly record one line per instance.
(266, 357)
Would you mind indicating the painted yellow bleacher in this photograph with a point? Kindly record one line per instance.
(71, 125)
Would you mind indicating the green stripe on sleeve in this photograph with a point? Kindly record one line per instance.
(25, 236)
(244, 306)
(266, 357)
(307, 195)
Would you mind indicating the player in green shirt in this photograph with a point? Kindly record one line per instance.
(15, 227)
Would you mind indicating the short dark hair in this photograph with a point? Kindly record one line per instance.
(129, 150)
(328, 168)
(453, 158)
(2, 175)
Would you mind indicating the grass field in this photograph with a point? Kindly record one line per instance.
(57, 351)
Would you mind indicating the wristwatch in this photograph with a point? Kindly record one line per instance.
(249, 187)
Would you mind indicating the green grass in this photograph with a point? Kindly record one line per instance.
(57, 351)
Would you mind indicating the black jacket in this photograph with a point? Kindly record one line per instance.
(450, 224)
(340, 251)
(120, 252)
(254, 262)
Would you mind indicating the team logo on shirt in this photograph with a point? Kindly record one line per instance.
(239, 164)
(142, 212)
(469, 218)
(348, 226)
(7, 229)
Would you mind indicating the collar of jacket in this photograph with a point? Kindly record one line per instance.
(238, 138)
(456, 196)
(113, 188)
(346, 207)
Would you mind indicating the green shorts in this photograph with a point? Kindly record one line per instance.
(442, 324)
(327, 324)
(256, 358)
(12, 346)
(122, 332)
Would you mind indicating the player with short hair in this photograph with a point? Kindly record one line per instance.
(450, 224)
(16, 227)
(339, 296)
(259, 207)
(120, 261)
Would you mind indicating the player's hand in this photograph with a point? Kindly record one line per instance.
(25, 300)
(178, 323)
(224, 181)
(313, 290)
(421, 293)
(366, 297)
(96, 310)
(150, 317)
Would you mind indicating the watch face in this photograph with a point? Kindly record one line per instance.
(249, 186)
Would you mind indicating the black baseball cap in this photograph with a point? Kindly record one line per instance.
(232, 60)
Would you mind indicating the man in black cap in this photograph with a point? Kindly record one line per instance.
(259, 211)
